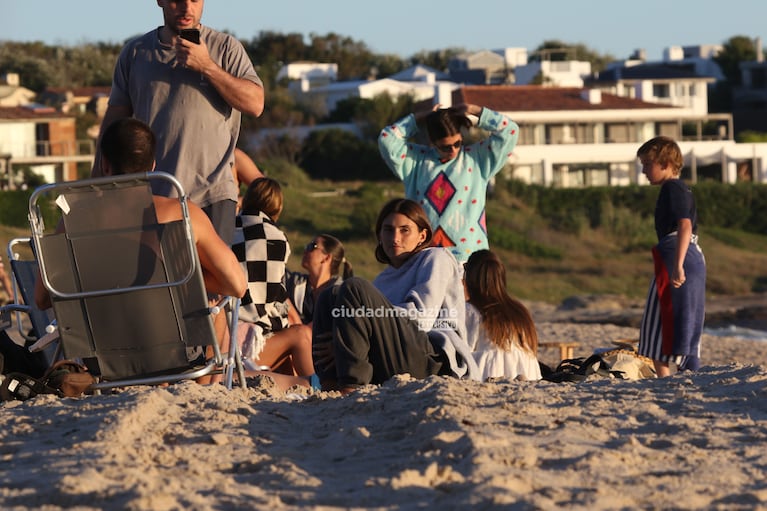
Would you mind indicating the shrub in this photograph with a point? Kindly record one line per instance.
(14, 209)
(339, 155)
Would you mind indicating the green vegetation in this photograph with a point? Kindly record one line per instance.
(555, 242)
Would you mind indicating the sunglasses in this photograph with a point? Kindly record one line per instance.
(447, 148)
(310, 246)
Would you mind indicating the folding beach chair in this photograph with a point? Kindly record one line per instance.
(32, 324)
(126, 289)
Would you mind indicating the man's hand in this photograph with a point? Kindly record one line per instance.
(191, 55)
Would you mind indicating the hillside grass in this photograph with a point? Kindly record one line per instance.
(549, 256)
(543, 263)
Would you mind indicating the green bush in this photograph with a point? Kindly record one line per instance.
(14, 209)
(339, 155)
(371, 199)
(620, 209)
(502, 237)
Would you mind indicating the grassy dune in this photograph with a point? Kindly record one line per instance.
(543, 264)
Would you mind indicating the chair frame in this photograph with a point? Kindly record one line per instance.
(23, 302)
(218, 364)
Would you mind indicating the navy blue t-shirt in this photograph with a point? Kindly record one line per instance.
(675, 201)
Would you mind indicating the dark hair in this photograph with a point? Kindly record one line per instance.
(129, 146)
(335, 249)
(505, 319)
(264, 194)
(663, 151)
(445, 122)
(414, 212)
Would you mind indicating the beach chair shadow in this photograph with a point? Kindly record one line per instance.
(32, 324)
(127, 290)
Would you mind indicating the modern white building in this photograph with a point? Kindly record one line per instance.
(573, 137)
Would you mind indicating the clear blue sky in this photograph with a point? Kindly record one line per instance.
(407, 27)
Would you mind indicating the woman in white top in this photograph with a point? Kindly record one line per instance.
(499, 328)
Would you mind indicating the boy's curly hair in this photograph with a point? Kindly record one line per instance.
(664, 151)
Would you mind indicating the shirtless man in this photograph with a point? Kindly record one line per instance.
(127, 147)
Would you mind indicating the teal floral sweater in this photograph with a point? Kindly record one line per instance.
(453, 192)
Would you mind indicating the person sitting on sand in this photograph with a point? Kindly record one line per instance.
(263, 250)
(127, 146)
(326, 265)
(410, 319)
(500, 329)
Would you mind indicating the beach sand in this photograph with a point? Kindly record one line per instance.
(692, 441)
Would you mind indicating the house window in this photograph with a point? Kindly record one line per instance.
(661, 90)
(42, 139)
(584, 133)
(527, 135)
(617, 133)
(691, 90)
(668, 129)
(555, 134)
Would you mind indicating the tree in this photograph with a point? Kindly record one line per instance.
(735, 50)
(340, 155)
(372, 114)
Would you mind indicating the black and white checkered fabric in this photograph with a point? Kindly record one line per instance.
(263, 250)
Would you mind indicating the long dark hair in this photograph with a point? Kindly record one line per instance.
(414, 212)
(505, 319)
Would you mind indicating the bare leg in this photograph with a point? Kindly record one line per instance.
(222, 334)
(296, 342)
(662, 369)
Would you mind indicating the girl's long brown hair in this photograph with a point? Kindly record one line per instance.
(505, 319)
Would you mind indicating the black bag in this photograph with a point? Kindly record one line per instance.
(18, 359)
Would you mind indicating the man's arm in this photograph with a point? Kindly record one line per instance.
(246, 170)
(241, 94)
(111, 115)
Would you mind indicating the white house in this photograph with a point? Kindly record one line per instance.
(581, 137)
(41, 138)
(565, 73)
(332, 93)
(303, 76)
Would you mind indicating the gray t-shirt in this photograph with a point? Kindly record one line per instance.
(196, 128)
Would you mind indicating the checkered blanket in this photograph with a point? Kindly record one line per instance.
(263, 250)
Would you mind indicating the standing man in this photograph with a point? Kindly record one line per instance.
(189, 83)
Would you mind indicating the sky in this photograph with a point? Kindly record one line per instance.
(406, 27)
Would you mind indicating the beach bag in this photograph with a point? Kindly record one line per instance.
(622, 363)
(69, 378)
(65, 378)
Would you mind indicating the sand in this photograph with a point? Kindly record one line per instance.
(692, 441)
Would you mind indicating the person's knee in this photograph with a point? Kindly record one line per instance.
(304, 335)
(355, 288)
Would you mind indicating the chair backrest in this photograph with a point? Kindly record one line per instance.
(31, 322)
(125, 288)
(24, 269)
